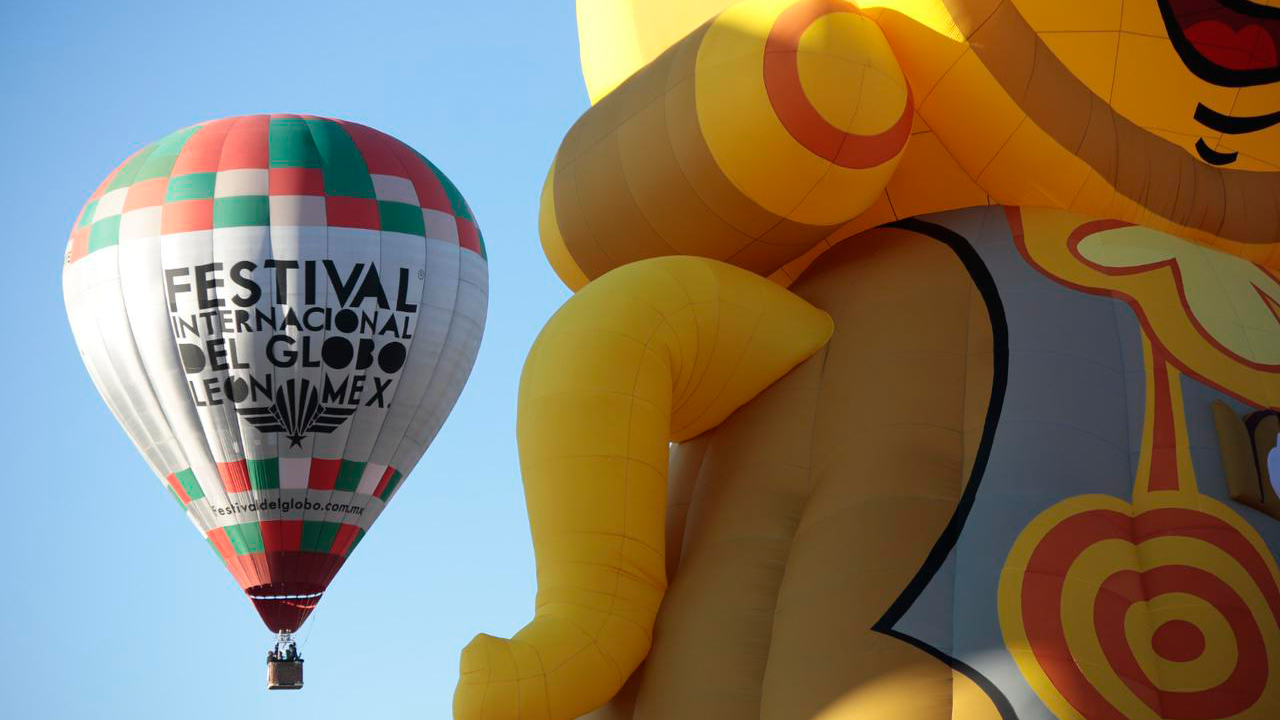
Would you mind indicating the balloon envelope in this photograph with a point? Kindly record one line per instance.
(280, 310)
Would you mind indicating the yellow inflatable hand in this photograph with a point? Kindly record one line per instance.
(657, 351)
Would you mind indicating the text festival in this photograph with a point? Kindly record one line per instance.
(216, 317)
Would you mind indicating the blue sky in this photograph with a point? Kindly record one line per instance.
(113, 605)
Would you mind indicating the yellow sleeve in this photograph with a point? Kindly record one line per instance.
(657, 351)
(750, 141)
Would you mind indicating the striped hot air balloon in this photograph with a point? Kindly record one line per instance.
(281, 311)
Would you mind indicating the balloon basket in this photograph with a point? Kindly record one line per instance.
(284, 665)
(284, 675)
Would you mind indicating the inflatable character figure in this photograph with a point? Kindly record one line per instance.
(921, 355)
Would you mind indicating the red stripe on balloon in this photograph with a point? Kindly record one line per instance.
(1164, 438)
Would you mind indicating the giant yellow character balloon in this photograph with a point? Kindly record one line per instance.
(924, 363)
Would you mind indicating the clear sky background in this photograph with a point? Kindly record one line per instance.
(112, 605)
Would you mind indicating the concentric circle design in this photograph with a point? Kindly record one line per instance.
(795, 108)
(1178, 641)
(1168, 612)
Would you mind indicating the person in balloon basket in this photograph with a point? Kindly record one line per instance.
(919, 366)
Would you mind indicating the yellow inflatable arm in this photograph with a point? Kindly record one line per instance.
(657, 351)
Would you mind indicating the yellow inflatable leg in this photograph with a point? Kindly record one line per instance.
(657, 351)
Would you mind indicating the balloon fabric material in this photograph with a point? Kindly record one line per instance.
(997, 450)
(280, 310)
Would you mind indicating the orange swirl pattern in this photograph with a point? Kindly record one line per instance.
(1043, 606)
(796, 112)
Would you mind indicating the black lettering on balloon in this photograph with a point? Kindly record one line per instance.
(379, 388)
(239, 276)
(256, 386)
(371, 288)
(345, 320)
(237, 389)
(207, 286)
(309, 282)
(337, 352)
(334, 394)
(217, 354)
(282, 277)
(192, 358)
(391, 357)
(357, 387)
(312, 324)
(343, 289)
(364, 358)
(173, 287)
(308, 360)
(281, 357)
(402, 300)
(211, 391)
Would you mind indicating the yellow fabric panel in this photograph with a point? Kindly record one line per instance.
(671, 204)
(1143, 19)
(811, 506)
(1087, 15)
(553, 242)
(910, 693)
(1164, 105)
(1257, 150)
(1091, 55)
(848, 39)
(1031, 145)
(949, 186)
(931, 15)
(971, 114)
(691, 154)
(751, 143)
(657, 350)
(924, 52)
(618, 37)
(925, 164)
(607, 44)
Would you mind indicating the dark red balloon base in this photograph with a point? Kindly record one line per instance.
(285, 585)
(285, 606)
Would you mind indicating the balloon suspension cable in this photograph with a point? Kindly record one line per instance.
(310, 627)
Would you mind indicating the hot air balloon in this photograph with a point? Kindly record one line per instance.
(922, 363)
(280, 310)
